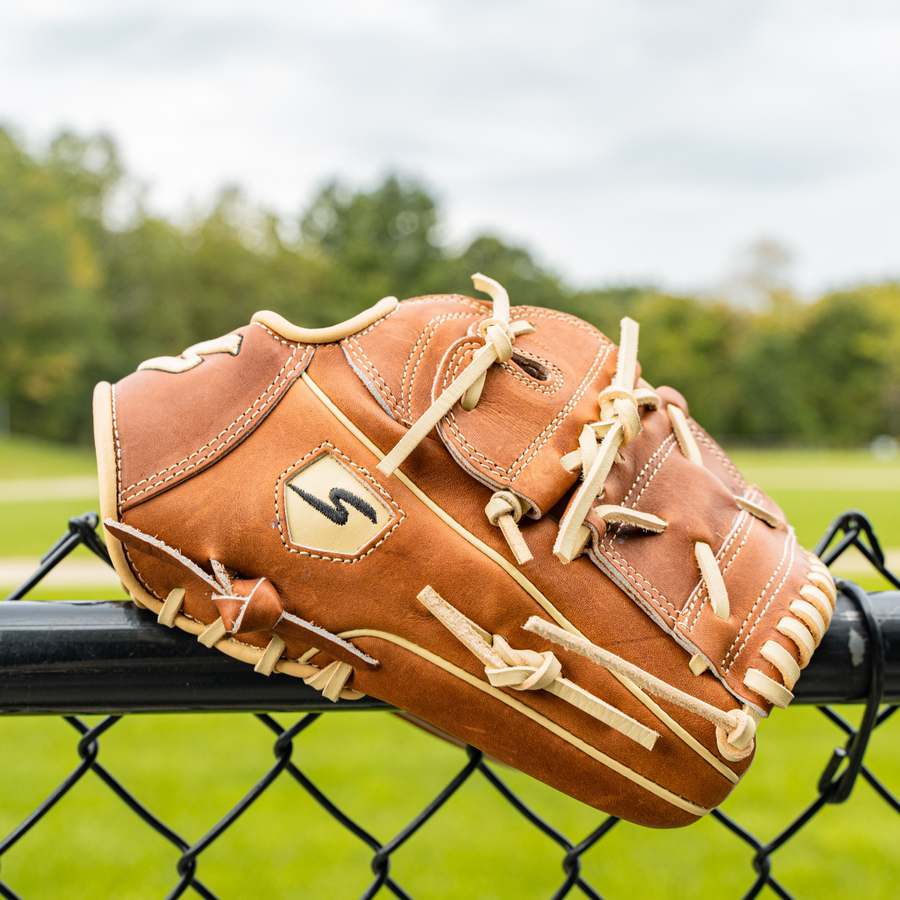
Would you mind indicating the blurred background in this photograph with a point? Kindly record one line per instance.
(727, 173)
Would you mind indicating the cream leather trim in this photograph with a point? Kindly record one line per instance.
(521, 708)
(524, 583)
(104, 440)
(332, 333)
(107, 469)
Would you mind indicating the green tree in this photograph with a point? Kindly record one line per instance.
(52, 266)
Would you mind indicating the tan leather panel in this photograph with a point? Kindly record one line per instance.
(760, 565)
(328, 507)
(331, 594)
(276, 479)
(171, 425)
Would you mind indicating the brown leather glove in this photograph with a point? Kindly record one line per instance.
(481, 515)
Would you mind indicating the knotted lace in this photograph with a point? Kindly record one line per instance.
(528, 670)
(504, 510)
(735, 729)
(598, 449)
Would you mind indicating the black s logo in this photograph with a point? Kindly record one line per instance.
(336, 512)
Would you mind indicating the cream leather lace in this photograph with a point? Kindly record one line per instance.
(527, 670)
(499, 336)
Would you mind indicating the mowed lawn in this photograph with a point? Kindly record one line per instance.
(191, 768)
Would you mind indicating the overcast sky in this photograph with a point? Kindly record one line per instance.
(620, 141)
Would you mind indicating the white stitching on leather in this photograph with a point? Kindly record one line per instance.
(371, 369)
(430, 330)
(541, 387)
(655, 471)
(273, 388)
(521, 462)
(138, 575)
(717, 451)
(644, 593)
(788, 544)
(392, 504)
(115, 425)
(743, 523)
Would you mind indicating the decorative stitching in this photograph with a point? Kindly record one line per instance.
(432, 327)
(607, 540)
(399, 406)
(539, 312)
(473, 302)
(274, 334)
(717, 451)
(399, 515)
(138, 575)
(115, 425)
(372, 370)
(522, 460)
(273, 388)
(403, 406)
(376, 323)
(670, 440)
(653, 474)
(762, 593)
(542, 387)
(453, 298)
(744, 523)
(644, 593)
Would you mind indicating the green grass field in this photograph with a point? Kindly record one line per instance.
(190, 768)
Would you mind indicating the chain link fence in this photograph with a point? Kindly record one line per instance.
(836, 773)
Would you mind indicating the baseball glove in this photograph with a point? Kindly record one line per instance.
(481, 515)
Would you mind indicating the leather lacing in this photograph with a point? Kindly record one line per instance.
(527, 670)
(619, 422)
(253, 606)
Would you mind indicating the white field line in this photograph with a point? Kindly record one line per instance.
(69, 573)
(25, 490)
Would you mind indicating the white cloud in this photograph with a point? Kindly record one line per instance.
(621, 140)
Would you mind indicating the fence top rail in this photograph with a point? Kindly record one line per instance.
(91, 656)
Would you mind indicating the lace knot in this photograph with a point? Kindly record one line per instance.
(500, 335)
(738, 743)
(504, 503)
(525, 670)
(504, 510)
(620, 404)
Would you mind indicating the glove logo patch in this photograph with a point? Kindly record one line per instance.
(331, 508)
(337, 513)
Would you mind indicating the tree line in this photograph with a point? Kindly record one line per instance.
(86, 296)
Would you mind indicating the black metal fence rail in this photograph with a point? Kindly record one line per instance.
(90, 657)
